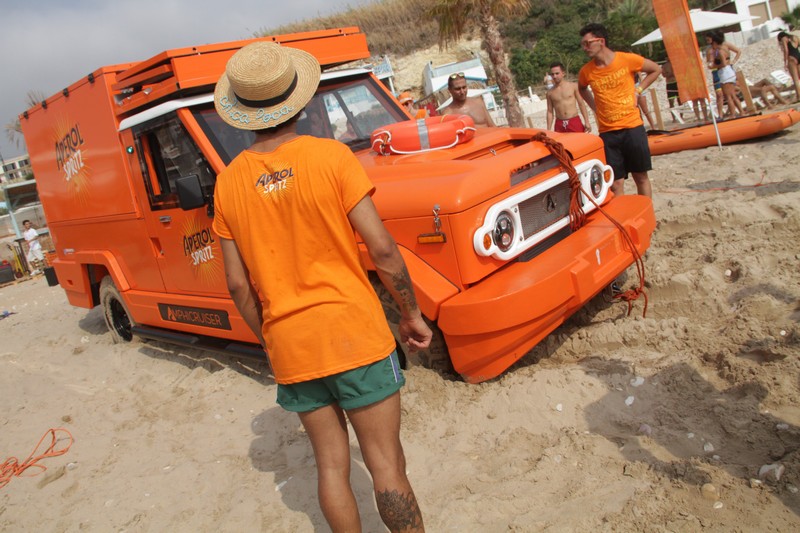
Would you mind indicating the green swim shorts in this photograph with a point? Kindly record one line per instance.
(355, 388)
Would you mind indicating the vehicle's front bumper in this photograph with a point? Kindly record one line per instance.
(496, 321)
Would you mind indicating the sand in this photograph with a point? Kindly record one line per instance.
(613, 423)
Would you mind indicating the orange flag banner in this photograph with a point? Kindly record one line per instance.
(681, 44)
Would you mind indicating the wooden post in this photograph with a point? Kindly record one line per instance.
(656, 109)
(748, 98)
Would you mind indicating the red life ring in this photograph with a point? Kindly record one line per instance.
(423, 135)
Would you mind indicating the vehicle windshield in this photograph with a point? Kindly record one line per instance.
(346, 111)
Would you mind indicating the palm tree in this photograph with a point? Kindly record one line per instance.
(453, 16)
(13, 128)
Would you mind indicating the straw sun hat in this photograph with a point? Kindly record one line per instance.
(265, 84)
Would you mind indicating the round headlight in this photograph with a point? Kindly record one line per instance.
(596, 181)
(503, 235)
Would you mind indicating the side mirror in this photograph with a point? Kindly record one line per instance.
(190, 192)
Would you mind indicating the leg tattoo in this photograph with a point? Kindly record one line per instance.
(399, 511)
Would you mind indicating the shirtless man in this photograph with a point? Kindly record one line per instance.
(563, 102)
(461, 105)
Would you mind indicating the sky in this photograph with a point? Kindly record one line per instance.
(46, 45)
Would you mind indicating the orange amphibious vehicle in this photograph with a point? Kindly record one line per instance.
(126, 159)
(730, 131)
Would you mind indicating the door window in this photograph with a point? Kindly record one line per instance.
(167, 152)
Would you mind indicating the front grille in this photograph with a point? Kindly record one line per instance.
(540, 211)
(546, 244)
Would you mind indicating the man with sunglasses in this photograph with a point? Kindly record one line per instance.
(463, 105)
(613, 99)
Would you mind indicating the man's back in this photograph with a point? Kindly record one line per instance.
(287, 212)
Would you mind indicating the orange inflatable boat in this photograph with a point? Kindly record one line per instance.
(730, 131)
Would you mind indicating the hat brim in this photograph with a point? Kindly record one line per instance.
(243, 117)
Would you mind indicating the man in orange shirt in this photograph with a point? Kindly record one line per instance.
(286, 212)
(613, 99)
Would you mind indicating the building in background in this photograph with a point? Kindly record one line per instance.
(15, 169)
(765, 10)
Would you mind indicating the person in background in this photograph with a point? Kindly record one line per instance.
(463, 105)
(762, 89)
(712, 67)
(303, 290)
(563, 103)
(672, 86)
(407, 101)
(35, 256)
(721, 59)
(613, 98)
(641, 101)
(674, 98)
(790, 47)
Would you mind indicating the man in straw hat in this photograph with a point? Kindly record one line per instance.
(286, 210)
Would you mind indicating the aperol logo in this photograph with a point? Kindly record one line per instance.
(276, 181)
(72, 159)
(202, 250)
(196, 316)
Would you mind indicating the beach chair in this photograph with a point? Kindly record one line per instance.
(783, 81)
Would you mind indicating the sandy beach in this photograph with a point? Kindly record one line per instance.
(614, 423)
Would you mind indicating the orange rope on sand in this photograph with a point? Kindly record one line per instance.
(577, 218)
(12, 467)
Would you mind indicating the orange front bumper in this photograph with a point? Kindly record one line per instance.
(496, 321)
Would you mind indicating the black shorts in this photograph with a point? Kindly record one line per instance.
(627, 151)
(672, 89)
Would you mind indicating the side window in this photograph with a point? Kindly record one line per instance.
(167, 152)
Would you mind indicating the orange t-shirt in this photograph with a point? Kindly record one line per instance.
(287, 211)
(614, 91)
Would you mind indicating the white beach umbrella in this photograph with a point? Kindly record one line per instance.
(701, 21)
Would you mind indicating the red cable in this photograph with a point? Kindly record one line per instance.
(578, 217)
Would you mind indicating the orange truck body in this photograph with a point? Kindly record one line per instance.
(108, 150)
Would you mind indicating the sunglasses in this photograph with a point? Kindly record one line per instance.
(456, 75)
(588, 42)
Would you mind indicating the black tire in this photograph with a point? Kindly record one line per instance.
(435, 357)
(116, 314)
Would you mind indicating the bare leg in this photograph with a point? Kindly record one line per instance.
(618, 187)
(642, 183)
(733, 101)
(642, 101)
(702, 103)
(377, 427)
(327, 429)
(777, 94)
(793, 71)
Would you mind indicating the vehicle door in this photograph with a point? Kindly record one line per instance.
(189, 253)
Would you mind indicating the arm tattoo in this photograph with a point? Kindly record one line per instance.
(401, 282)
(399, 511)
